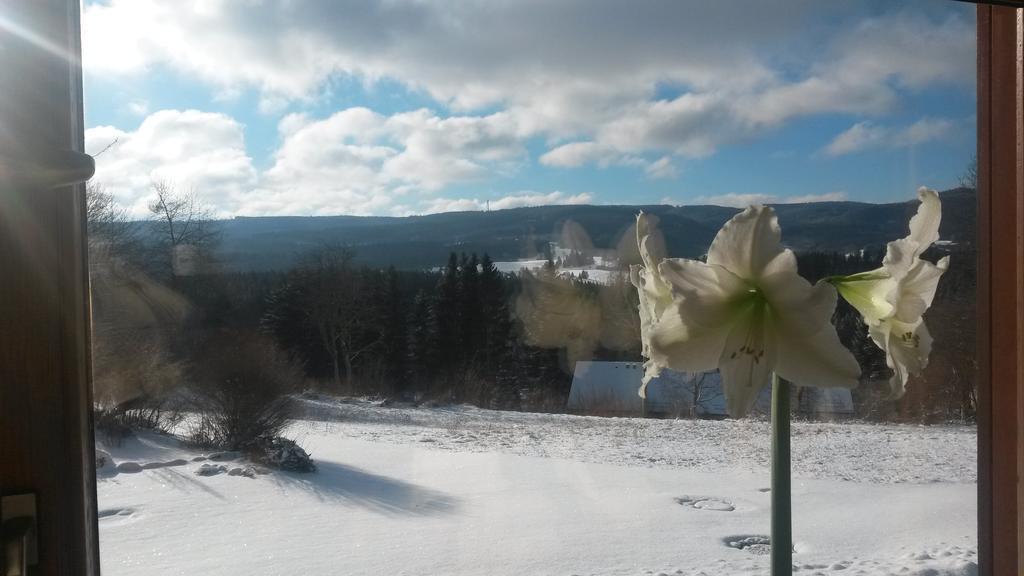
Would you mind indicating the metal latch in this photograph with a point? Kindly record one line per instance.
(46, 169)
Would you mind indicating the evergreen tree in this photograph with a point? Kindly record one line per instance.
(422, 338)
(549, 268)
(497, 322)
(445, 314)
(470, 313)
(393, 334)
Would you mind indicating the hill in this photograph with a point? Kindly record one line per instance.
(269, 243)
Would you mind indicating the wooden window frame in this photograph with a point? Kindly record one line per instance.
(1000, 288)
(46, 433)
(46, 444)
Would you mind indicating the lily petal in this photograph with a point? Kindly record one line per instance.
(690, 335)
(917, 290)
(651, 371)
(871, 293)
(793, 301)
(649, 240)
(906, 346)
(644, 307)
(900, 257)
(924, 226)
(820, 360)
(686, 347)
(809, 351)
(704, 292)
(747, 243)
(747, 361)
(811, 357)
(654, 293)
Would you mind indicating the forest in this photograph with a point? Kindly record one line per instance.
(173, 329)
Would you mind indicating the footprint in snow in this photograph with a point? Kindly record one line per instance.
(110, 512)
(706, 503)
(756, 544)
(130, 467)
(167, 464)
(116, 515)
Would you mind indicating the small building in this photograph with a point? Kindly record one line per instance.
(611, 389)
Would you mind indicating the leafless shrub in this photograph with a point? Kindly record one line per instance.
(605, 402)
(242, 387)
(117, 422)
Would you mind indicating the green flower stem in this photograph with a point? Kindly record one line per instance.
(782, 513)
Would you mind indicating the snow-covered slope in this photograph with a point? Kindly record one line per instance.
(467, 491)
(858, 452)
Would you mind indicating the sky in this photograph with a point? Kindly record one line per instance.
(397, 107)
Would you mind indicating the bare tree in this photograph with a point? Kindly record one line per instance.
(969, 179)
(703, 392)
(132, 316)
(110, 228)
(338, 304)
(187, 232)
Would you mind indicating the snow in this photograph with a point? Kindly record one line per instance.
(460, 490)
(594, 273)
(514, 266)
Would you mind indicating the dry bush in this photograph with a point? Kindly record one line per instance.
(605, 402)
(242, 387)
(132, 368)
(133, 320)
(115, 423)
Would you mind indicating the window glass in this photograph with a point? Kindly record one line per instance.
(432, 288)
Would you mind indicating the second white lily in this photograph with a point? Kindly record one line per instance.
(748, 313)
(893, 298)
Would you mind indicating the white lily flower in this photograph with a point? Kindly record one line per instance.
(894, 298)
(654, 292)
(748, 313)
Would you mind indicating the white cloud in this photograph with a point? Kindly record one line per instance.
(138, 107)
(512, 201)
(826, 197)
(467, 54)
(577, 154)
(189, 148)
(866, 135)
(598, 82)
(857, 137)
(852, 78)
(662, 168)
(583, 74)
(924, 130)
(744, 200)
(357, 161)
(733, 200)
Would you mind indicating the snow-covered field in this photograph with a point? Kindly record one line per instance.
(460, 490)
(594, 274)
(515, 266)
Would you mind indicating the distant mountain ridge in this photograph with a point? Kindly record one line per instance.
(417, 242)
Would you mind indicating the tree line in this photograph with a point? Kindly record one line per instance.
(168, 320)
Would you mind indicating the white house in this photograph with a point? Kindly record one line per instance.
(611, 388)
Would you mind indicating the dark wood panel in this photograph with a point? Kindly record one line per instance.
(45, 429)
(1001, 183)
